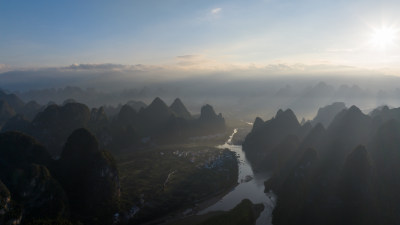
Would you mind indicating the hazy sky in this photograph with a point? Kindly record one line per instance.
(203, 33)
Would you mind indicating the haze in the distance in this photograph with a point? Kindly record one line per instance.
(203, 35)
(235, 54)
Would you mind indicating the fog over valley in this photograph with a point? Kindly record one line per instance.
(242, 94)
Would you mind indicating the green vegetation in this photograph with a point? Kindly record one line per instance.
(245, 213)
(166, 179)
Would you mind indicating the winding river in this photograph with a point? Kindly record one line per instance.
(251, 186)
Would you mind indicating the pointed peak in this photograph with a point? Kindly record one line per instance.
(158, 100)
(177, 101)
(354, 109)
(208, 114)
(208, 109)
(180, 109)
(258, 122)
(80, 143)
(287, 113)
(280, 111)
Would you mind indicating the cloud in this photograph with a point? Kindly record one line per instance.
(96, 67)
(4, 68)
(216, 11)
(210, 15)
(188, 57)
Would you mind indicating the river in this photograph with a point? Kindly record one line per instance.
(251, 186)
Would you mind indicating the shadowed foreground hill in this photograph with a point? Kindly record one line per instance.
(23, 170)
(89, 177)
(344, 174)
(35, 189)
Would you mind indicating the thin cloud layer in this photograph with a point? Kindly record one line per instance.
(216, 11)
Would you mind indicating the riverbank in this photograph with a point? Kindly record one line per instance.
(162, 181)
(245, 213)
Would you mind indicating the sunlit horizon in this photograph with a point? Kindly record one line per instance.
(211, 35)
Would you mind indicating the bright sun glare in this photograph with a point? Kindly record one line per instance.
(383, 37)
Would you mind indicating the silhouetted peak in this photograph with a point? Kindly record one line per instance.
(157, 105)
(379, 111)
(288, 114)
(179, 109)
(280, 111)
(177, 101)
(80, 143)
(157, 111)
(158, 101)
(354, 110)
(258, 122)
(127, 114)
(207, 111)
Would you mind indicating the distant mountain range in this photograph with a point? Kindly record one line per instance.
(240, 98)
(133, 125)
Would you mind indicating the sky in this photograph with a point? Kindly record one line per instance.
(203, 35)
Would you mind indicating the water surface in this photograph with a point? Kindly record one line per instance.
(252, 190)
